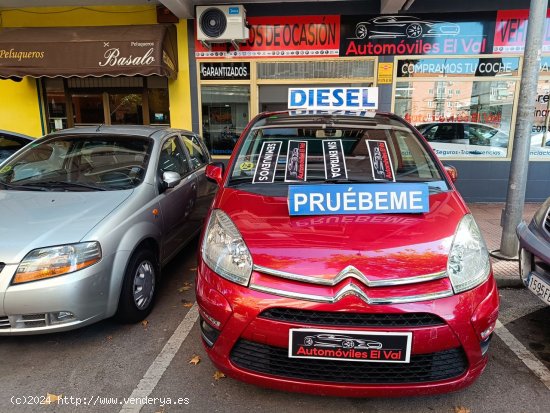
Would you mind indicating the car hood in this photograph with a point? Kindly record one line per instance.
(381, 246)
(31, 219)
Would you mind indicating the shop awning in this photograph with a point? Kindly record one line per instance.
(88, 51)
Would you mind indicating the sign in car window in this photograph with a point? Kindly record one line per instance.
(328, 199)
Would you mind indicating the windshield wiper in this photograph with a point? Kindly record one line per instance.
(56, 184)
(22, 187)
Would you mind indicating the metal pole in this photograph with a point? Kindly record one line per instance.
(517, 183)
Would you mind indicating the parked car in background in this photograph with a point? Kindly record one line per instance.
(293, 275)
(89, 217)
(463, 133)
(11, 142)
(534, 253)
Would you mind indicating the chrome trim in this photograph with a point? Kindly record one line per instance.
(351, 289)
(351, 272)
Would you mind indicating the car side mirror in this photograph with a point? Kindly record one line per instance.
(170, 179)
(452, 172)
(214, 172)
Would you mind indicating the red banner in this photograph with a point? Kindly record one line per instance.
(287, 36)
(511, 30)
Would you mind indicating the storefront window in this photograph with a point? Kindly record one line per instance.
(464, 116)
(126, 108)
(106, 100)
(540, 134)
(224, 116)
(88, 108)
(56, 104)
(159, 109)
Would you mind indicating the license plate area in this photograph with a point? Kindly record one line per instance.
(345, 345)
(540, 287)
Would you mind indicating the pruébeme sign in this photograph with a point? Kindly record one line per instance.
(327, 199)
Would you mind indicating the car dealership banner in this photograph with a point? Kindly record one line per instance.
(283, 36)
(426, 34)
(511, 30)
(477, 33)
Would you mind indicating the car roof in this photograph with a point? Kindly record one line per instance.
(147, 131)
(15, 134)
(289, 119)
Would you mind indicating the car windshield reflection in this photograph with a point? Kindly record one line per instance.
(79, 163)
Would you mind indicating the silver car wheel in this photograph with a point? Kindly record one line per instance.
(144, 284)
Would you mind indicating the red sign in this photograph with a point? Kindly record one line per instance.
(276, 36)
(511, 31)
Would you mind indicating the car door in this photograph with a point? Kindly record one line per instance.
(177, 203)
(199, 158)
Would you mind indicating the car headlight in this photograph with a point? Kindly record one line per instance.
(468, 264)
(50, 262)
(224, 250)
(540, 215)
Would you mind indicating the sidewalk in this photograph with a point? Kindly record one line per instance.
(487, 216)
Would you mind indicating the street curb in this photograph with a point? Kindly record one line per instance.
(509, 282)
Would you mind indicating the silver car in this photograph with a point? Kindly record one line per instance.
(89, 217)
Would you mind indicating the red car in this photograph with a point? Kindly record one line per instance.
(343, 249)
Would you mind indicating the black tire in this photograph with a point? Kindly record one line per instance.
(142, 268)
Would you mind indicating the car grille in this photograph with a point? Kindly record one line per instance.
(4, 322)
(422, 368)
(291, 315)
(32, 320)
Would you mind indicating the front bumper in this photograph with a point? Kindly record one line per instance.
(81, 298)
(245, 344)
(534, 255)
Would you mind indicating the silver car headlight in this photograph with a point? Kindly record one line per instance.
(468, 264)
(224, 250)
(50, 262)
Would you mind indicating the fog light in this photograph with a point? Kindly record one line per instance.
(485, 345)
(209, 333)
(60, 317)
(210, 319)
(486, 333)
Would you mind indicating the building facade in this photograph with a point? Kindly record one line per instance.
(451, 70)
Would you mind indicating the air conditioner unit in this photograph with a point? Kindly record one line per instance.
(221, 24)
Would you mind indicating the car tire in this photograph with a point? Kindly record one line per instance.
(361, 31)
(414, 30)
(308, 341)
(138, 292)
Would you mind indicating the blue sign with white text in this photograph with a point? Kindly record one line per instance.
(344, 199)
(338, 98)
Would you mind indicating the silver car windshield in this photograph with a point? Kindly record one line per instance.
(317, 153)
(78, 163)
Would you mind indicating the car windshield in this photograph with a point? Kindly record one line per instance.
(78, 163)
(303, 150)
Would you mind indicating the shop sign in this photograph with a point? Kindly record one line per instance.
(505, 66)
(225, 71)
(385, 73)
(427, 34)
(511, 31)
(545, 65)
(283, 36)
